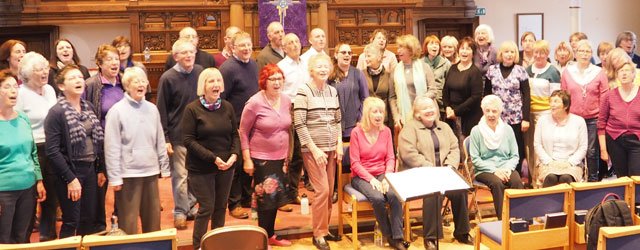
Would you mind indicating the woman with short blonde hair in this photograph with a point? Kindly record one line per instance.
(587, 84)
(210, 134)
(449, 49)
(510, 82)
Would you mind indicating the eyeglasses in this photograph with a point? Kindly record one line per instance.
(584, 51)
(275, 79)
(345, 52)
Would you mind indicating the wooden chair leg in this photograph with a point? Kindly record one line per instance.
(407, 222)
(354, 226)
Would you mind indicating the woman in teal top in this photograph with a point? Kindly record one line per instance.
(494, 151)
(19, 167)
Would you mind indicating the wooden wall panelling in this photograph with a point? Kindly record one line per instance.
(38, 38)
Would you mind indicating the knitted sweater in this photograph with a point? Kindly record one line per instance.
(175, 91)
(134, 141)
(209, 134)
(19, 166)
(240, 82)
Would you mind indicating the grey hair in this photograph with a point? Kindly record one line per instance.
(178, 46)
(486, 28)
(419, 104)
(492, 101)
(29, 62)
(585, 42)
(131, 74)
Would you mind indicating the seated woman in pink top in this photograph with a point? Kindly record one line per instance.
(371, 154)
(619, 123)
(264, 138)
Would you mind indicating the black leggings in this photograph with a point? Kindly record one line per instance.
(267, 220)
(554, 179)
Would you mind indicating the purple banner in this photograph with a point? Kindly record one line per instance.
(292, 14)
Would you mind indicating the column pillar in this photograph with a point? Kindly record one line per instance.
(575, 15)
(323, 16)
(236, 14)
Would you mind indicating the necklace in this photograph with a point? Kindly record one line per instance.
(275, 104)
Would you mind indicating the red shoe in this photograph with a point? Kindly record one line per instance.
(279, 242)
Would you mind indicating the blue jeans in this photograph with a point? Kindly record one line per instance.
(183, 200)
(593, 149)
(391, 226)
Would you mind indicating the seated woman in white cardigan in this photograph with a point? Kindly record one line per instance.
(560, 142)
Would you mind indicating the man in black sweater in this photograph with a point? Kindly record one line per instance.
(203, 58)
(177, 88)
(240, 74)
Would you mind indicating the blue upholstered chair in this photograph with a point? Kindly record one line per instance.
(588, 194)
(528, 204)
(159, 240)
(619, 238)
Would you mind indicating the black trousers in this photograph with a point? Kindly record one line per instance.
(624, 153)
(100, 223)
(431, 206)
(267, 220)
(16, 217)
(497, 187)
(517, 131)
(241, 189)
(49, 206)
(78, 216)
(296, 166)
(211, 192)
(554, 179)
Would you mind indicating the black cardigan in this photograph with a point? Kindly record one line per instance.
(58, 145)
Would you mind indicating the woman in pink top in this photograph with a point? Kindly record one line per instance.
(619, 123)
(587, 85)
(264, 138)
(371, 155)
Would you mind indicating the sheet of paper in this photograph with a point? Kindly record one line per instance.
(418, 182)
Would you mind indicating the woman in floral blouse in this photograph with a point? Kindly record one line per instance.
(510, 82)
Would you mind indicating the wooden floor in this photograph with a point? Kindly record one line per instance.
(293, 225)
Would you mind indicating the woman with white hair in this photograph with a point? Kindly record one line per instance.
(510, 82)
(426, 141)
(35, 98)
(316, 118)
(486, 54)
(587, 84)
(135, 154)
(213, 145)
(494, 152)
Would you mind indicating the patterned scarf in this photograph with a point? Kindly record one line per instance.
(77, 133)
(375, 72)
(211, 106)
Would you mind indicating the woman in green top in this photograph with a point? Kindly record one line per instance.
(19, 168)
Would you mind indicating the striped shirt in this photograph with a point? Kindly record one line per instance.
(316, 117)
